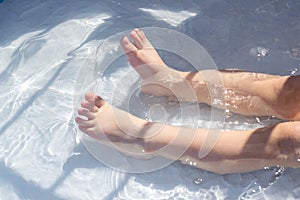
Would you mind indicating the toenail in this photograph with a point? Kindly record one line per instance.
(133, 33)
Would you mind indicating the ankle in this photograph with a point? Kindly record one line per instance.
(199, 86)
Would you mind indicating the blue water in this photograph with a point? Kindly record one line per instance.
(43, 46)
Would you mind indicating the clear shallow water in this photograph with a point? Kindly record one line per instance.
(44, 45)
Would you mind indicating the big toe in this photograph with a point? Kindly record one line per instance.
(90, 97)
(92, 100)
(99, 101)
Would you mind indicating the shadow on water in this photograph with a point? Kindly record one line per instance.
(121, 17)
(30, 190)
(25, 189)
(32, 99)
(82, 159)
(120, 20)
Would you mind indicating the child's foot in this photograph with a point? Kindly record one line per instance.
(141, 53)
(108, 124)
(157, 78)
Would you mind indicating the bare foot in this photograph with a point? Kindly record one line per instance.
(157, 78)
(141, 53)
(108, 124)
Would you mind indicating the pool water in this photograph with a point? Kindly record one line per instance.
(44, 46)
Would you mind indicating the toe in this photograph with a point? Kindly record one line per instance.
(90, 106)
(136, 39)
(93, 100)
(144, 39)
(127, 45)
(86, 113)
(99, 102)
(84, 123)
(90, 97)
(141, 35)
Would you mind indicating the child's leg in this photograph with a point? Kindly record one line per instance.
(244, 92)
(288, 97)
(255, 94)
(244, 151)
(231, 152)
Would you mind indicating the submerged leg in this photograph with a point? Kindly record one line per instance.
(243, 92)
(233, 151)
